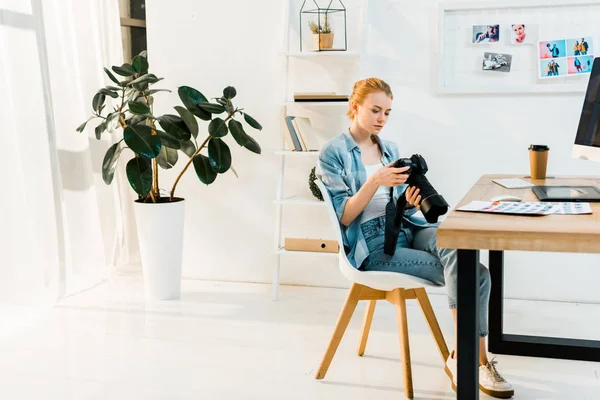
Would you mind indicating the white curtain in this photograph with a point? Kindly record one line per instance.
(62, 229)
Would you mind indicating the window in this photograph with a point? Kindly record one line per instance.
(133, 27)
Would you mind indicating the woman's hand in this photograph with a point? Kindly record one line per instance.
(390, 176)
(413, 198)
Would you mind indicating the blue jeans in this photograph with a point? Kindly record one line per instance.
(417, 255)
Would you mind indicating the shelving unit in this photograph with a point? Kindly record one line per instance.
(297, 201)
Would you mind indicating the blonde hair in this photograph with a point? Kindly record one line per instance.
(365, 87)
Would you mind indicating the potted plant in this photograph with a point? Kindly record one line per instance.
(322, 35)
(155, 142)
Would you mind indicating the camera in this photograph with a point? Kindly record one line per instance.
(432, 203)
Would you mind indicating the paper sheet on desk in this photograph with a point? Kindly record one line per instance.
(504, 207)
(570, 208)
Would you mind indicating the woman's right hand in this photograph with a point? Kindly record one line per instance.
(390, 176)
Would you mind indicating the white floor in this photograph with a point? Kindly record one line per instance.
(230, 341)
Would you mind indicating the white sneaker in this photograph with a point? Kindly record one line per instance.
(451, 369)
(492, 383)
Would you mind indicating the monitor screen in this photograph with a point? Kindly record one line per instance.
(588, 133)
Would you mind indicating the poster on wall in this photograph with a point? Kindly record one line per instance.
(496, 62)
(485, 34)
(552, 58)
(523, 34)
(580, 55)
(565, 57)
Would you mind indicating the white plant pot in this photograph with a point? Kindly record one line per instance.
(160, 235)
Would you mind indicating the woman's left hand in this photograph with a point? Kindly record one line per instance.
(412, 197)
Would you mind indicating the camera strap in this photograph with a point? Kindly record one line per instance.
(393, 222)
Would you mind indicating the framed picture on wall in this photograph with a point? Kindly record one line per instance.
(485, 34)
(496, 62)
(523, 33)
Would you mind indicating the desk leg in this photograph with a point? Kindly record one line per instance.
(496, 309)
(525, 345)
(468, 325)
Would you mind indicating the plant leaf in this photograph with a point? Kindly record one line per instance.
(169, 140)
(110, 162)
(110, 93)
(98, 101)
(190, 98)
(252, 122)
(81, 127)
(167, 158)
(135, 119)
(141, 140)
(212, 108)
(111, 76)
(149, 92)
(100, 129)
(140, 64)
(217, 128)
(139, 175)
(237, 131)
(175, 126)
(124, 70)
(229, 92)
(219, 155)
(205, 172)
(148, 78)
(253, 145)
(188, 148)
(189, 120)
(137, 107)
(113, 88)
(112, 121)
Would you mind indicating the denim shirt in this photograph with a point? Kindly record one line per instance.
(343, 173)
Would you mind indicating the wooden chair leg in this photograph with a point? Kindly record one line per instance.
(423, 300)
(340, 328)
(400, 302)
(366, 326)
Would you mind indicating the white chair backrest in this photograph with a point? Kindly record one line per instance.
(345, 266)
(331, 211)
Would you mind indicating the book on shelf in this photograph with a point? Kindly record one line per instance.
(320, 97)
(301, 133)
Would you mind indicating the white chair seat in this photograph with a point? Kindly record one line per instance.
(380, 280)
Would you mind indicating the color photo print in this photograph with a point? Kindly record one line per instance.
(565, 57)
(496, 62)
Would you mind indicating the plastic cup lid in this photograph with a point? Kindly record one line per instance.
(538, 147)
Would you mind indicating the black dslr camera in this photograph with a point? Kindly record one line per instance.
(432, 203)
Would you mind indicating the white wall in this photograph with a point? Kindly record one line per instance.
(230, 224)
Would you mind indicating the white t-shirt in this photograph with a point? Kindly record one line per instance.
(376, 207)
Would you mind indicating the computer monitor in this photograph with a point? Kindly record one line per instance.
(587, 140)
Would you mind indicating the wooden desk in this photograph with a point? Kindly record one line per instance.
(469, 232)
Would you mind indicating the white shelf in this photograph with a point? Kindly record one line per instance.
(310, 54)
(300, 201)
(317, 103)
(297, 153)
(282, 251)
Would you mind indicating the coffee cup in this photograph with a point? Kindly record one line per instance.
(538, 160)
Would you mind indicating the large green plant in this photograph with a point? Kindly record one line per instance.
(154, 147)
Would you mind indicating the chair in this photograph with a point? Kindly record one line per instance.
(378, 285)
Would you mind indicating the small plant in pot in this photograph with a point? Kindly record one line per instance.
(156, 141)
(322, 34)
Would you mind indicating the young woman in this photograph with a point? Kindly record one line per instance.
(356, 167)
(520, 34)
